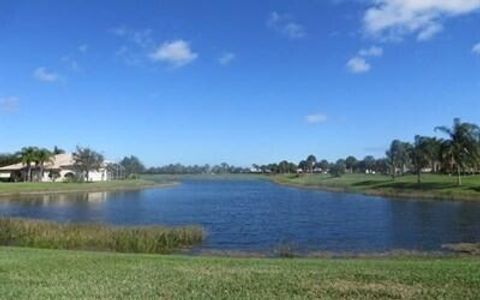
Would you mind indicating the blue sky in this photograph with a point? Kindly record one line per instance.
(236, 81)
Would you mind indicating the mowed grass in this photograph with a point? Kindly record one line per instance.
(40, 274)
(432, 186)
(10, 188)
(49, 235)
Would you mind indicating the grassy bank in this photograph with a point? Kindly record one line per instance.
(34, 274)
(432, 186)
(49, 235)
(28, 188)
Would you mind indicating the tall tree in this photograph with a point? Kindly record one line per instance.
(369, 163)
(398, 157)
(303, 165)
(419, 155)
(27, 156)
(311, 161)
(57, 151)
(462, 145)
(324, 165)
(42, 156)
(132, 165)
(351, 163)
(432, 148)
(87, 160)
(338, 168)
(8, 159)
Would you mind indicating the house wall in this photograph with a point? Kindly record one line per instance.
(93, 176)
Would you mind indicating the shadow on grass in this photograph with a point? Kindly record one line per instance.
(370, 183)
(415, 186)
(475, 189)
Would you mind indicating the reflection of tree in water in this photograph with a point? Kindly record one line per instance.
(57, 199)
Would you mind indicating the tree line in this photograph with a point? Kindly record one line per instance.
(178, 169)
(457, 153)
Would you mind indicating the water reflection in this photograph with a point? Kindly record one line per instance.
(57, 199)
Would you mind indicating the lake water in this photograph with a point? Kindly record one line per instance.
(260, 216)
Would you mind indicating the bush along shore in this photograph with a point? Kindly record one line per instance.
(96, 237)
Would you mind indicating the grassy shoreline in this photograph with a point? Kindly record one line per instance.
(33, 273)
(97, 237)
(40, 188)
(432, 187)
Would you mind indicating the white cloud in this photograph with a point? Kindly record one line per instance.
(429, 32)
(372, 51)
(392, 19)
(358, 65)
(285, 25)
(476, 49)
(9, 104)
(176, 53)
(316, 118)
(45, 75)
(226, 58)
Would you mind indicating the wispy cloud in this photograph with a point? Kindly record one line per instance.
(476, 49)
(42, 74)
(316, 118)
(71, 63)
(176, 53)
(142, 38)
(136, 45)
(286, 25)
(226, 58)
(358, 65)
(372, 51)
(393, 19)
(139, 48)
(9, 104)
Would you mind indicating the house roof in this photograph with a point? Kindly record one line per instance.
(58, 161)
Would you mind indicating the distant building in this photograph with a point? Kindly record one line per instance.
(60, 168)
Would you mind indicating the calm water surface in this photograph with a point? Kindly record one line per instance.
(256, 215)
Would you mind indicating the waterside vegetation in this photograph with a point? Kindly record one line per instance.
(49, 235)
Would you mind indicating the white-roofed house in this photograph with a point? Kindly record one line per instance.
(60, 168)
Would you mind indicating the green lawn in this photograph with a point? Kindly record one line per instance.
(48, 187)
(432, 186)
(40, 274)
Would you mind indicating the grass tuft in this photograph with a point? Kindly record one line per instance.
(96, 237)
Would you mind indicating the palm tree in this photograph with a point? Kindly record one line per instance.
(311, 161)
(419, 155)
(27, 156)
(461, 147)
(42, 156)
(398, 157)
(86, 160)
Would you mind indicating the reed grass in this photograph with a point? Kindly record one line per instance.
(97, 237)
